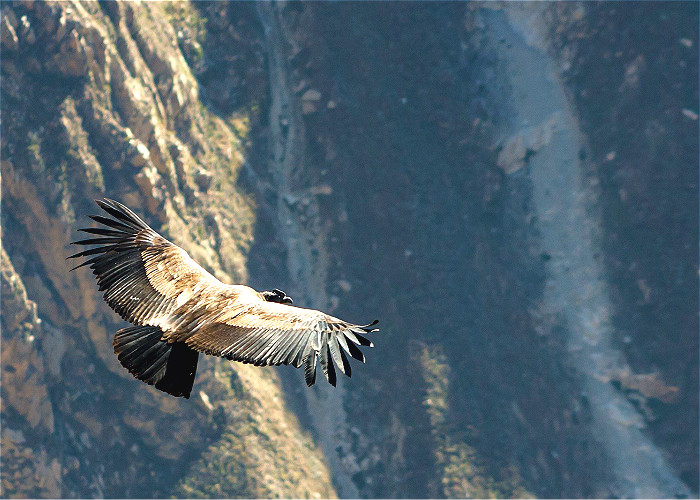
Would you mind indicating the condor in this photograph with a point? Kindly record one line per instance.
(180, 310)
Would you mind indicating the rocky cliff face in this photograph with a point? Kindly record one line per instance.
(357, 156)
(636, 95)
(100, 101)
(402, 113)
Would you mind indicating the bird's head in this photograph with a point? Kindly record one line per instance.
(278, 296)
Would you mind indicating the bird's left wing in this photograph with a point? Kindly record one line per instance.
(144, 277)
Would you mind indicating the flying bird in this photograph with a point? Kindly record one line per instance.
(179, 310)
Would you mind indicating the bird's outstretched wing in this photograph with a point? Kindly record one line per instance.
(179, 306)
(267, 333)
(145, 277)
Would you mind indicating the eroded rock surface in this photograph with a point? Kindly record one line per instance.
(99, 100)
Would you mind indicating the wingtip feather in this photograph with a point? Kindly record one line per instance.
(310, 369)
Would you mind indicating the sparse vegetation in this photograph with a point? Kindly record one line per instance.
(191, 30)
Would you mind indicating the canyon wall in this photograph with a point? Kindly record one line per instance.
(527, 236)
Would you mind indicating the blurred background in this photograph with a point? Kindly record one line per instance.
(512, 189)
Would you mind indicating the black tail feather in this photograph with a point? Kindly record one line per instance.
(170, 368)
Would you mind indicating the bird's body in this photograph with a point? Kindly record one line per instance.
(179, 309)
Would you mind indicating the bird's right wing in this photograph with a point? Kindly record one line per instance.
(268, 333)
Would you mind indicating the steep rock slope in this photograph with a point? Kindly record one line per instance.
(426, 232)
(633, 79)
(576, 299)
(98, 100)
(399, 111)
